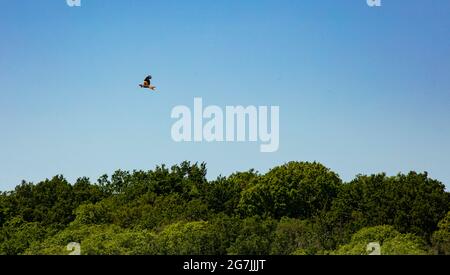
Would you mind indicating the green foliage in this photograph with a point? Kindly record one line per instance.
(224, 194)
(97, 240)
(164, 211)
(441, 238)
(84, 191)
(117, 241)
(412, 203)
(255, 237)
(226, 229)
(50, 201)
(192, 238)
(99, 213)
(57, 244)
(299, 208)
(390, 240)
(297, 190)
(16, 235)
(405, 244)
(293, 236)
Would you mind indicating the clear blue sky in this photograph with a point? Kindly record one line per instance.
(361, 90)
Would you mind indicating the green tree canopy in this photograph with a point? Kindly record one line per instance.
(390, 240)
(296, 190)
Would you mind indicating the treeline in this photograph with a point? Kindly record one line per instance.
(298, 208)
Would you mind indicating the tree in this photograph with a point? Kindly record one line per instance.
(255, 237)
(84, 191)
(441, 238)
(412, 203)
(17, 235)
(50, 202)
(117, 241)
(99, 213)
(192, 238)
(296, 190)
(298, 208)
(226, 229)
(164, 211)
(390, 240)
(97, 240)
(293, 236)
(223, 194)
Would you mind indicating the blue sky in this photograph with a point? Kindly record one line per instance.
(361, 90)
